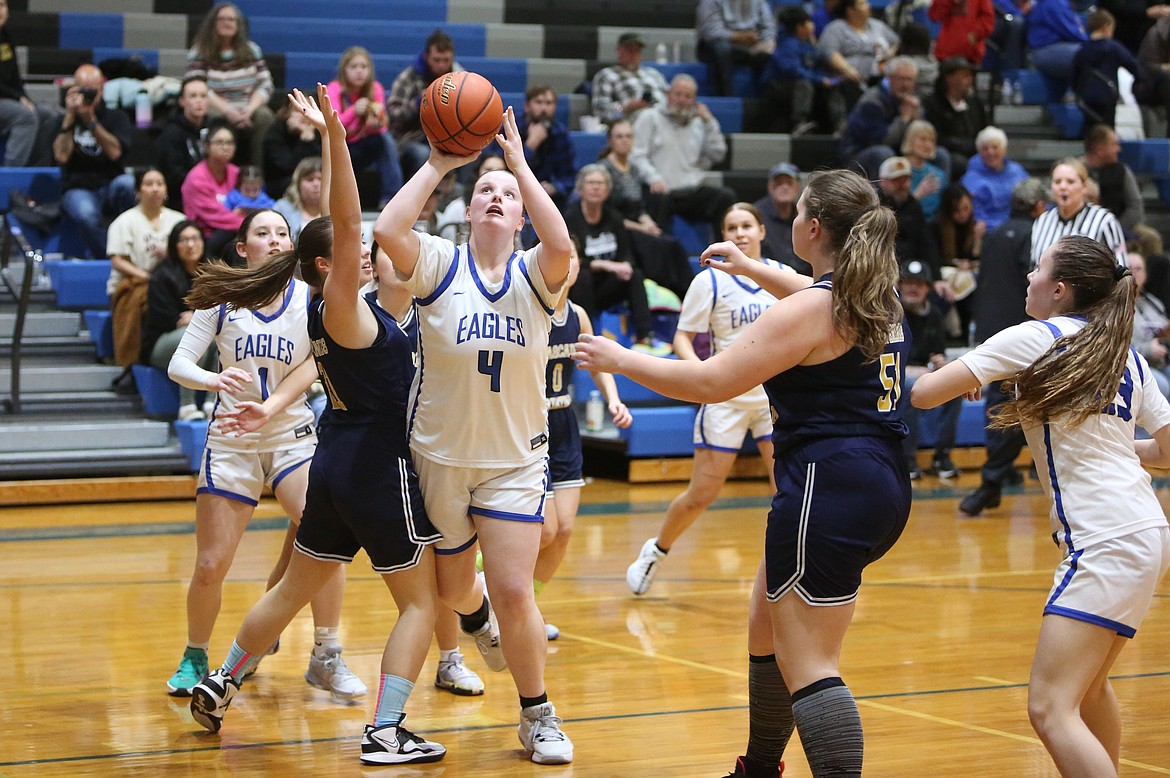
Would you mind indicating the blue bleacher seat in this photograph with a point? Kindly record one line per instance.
(42, 184)
(1163, 185)
(971, 430)
(192, 438)
(101, 332)
(1035, 87)
(695, 238)
(1069, 120)
(728, 111)
(160, 395)
(304, 69)
(629, 391)
(586, 146)
(380, 35)
(79, 283)
(613, 324)
(414, 10)
(86, 30)
(696, 70)
(1151, 155)
(661, 432)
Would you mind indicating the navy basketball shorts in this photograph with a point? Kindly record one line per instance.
(364, 493)
(840, 504)
(565, 461)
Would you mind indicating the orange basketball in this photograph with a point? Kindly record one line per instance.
(461, 112)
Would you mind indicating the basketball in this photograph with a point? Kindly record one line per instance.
(461, 113)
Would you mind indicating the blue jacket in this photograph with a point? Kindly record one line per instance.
(1104, 56)
(1053, 21)
(793, 58)
(870, 120)
(991, 191)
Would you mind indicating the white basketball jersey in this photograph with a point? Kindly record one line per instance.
(478, 395)
(724, 305)
(1099, 489)
(268, 348)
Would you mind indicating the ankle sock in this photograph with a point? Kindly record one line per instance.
(236, 659)
(324, 639)
(528, 702)
(445, 656)
(393, 693)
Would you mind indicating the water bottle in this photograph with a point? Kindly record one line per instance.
(676, 51)
(594, 412)
(143, 110)
(1005, 92)
(1018, 93)
(660, 54)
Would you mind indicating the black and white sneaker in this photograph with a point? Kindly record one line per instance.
(211, 697)
(395, 744)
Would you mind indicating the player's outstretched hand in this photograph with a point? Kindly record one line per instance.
(332, 120)
(727, 257)
(511, 142)
(308, 108)
(246, 416)
(231, 380)
(595, 352)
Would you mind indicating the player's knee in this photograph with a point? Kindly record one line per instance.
(210, 569)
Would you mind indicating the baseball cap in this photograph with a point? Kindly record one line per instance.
(917, 270)
(894, 167)
(631, 39)
(784, 169)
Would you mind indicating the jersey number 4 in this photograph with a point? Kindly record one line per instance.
(890, 372)
(490, 364)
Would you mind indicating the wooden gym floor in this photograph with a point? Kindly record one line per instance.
(92, 625)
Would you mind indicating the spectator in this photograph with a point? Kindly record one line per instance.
(966, 26)
(795, 82)
(856, 46)
(90, 144)
(1150, 247)
(290, 140)
(249, 192)
(608, 273)
(1151, 325)
(360, 101)
(239, 84)
(436, 59)
(959, 237)
(1154, 58)
(916, 44)
(778, 210)
(734, 32)
(1006, 44)
(999, 304)
(928, 346)
(1134, 18)
(927, 180)
(1073, 215)
(621, 90)
(956, 112)
(1094, 69)
(20, 118)
(137, 242)
(301, 202)
(547, 146)
(674, 144)
(206, 188)
(914, 240)
(180, 144)
(991, 177)
(1119, 187)
(1055, 33)
(167, 314)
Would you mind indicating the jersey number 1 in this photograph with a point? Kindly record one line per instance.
(490, 364)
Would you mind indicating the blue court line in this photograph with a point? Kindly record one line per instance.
(495, 727)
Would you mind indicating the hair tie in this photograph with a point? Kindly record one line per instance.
(1120, 272)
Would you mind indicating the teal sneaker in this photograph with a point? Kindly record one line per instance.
(192, 670)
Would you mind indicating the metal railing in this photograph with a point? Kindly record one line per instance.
(11, 236)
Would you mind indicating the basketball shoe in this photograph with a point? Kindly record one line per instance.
(211, 697)
(457, 678)
(192, 668)
(330, 673)
(395, 744)
(540, 734)
(641, 573)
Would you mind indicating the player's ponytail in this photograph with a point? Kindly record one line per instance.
(1079, 375)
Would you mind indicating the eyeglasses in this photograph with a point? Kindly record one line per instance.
(221, 143)
(190, 239)
(225, 19)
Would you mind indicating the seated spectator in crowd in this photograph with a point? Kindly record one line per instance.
(1151, 325)
(674, 145)
(20, 118)
(778, 211)
(1055, 34)
(1119, 191)
(206, 189)
(1154, 59)
(824, 13)
(914, 239)
(90, 144)
(916, 44)
(436, 59)
(180, 144)
(734, 32)
(290, 140)
(966, 26)
(167, 314)
(547, 146)
(959, 236)
(360, 101)
(249, 192)
(605, 252)
(1006, 44)
(1074, 214)
(1094, 70)
(928, 347)
(1134, 20)
(621, 90)
(797, 84)
(927, 180)
(1150, 246)
(239, 84)
(878, 121)
(137, 242)
(856, 47)
(956, 112)
(301, 202)
(991, 176)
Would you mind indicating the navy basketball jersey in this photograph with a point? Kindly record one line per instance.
(369, 384)
(844, 397)
(559, 372)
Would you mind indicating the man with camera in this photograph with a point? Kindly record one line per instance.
(89, 145)
(621, 90)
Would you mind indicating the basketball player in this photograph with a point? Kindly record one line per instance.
(260, 350)
(363, 492)
(1080, 391)
(723, 307)
(830, 356)
(478, 424)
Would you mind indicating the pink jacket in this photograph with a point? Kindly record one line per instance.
(355, 125)
(203, 199)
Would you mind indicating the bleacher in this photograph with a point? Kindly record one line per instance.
(516, 44)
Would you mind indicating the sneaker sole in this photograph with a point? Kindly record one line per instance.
(388, 758)
(200, 701)
(179, 692)
(638, 588)
(551, 758)
(457, 690)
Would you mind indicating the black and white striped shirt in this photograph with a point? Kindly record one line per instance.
(1092, 221)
